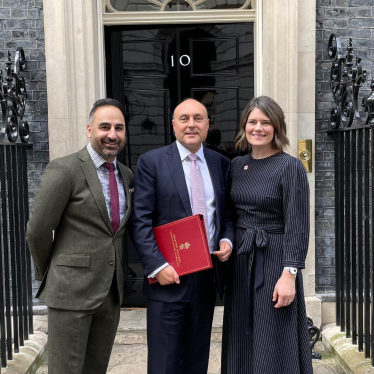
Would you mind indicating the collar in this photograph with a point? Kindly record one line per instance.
(97, 159)
(184, 152)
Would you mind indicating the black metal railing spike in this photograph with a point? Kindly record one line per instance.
(346, 78)
(13, 95)
(16, 318)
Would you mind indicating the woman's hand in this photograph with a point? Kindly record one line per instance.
(284, 290)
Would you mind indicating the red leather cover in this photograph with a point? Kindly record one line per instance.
(184, 245)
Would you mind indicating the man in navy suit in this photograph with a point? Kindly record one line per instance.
(180, 310)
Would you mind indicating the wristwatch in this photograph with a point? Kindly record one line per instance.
(292, 270)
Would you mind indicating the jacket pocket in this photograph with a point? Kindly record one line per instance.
(78, 261)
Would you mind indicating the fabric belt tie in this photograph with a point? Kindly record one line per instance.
(253, 244)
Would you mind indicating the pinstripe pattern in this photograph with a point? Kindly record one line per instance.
(272, 192)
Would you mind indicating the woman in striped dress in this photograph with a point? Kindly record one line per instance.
(265, 326)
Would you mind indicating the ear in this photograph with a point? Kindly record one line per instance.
(89, 131)
(173, 123)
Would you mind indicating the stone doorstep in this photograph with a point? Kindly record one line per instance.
(30, 356)
(132, 328)
(344, 352)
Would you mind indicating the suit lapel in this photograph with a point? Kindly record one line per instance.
(126, 186)
(94, 185)
(174, 163)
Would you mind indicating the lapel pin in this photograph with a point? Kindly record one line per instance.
(246, 167)
(131, 190)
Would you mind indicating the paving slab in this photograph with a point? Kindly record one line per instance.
(129, 353)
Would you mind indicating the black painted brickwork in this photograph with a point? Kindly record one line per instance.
(347, 19)
(21, 25)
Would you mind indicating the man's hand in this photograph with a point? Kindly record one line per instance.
(167, 276)
(284, 290)
(224, 251)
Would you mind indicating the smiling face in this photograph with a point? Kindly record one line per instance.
(107, 132)
(259, 130)
(191, 124)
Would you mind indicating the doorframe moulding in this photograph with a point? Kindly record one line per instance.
(187, 17)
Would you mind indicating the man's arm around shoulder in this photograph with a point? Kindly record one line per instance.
(51, 200)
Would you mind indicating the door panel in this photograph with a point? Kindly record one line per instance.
(224, 52)
(151, 54)
(151, 69)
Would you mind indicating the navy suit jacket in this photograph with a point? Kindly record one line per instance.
(160, 197)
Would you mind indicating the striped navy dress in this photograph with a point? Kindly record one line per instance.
(271, 200)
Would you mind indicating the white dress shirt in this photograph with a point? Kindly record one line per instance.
(209, 193)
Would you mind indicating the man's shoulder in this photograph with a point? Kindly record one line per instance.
(71, 159)
(158, 152)
(125, 170)
(69, 164)
(221, 158)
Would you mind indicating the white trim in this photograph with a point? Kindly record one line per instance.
(258, 57)
(101, 49)
(188, 17)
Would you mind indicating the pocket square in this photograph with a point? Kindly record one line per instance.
(131, 190)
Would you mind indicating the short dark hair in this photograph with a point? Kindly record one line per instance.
(104, 102)
(276, 115)
(214, 137)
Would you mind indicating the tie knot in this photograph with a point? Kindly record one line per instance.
(193, 157)
(109, 166)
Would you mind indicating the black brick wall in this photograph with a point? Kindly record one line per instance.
(347, 19)
(21, 25)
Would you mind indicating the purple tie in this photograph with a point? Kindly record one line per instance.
(198, 191)
(114, 196)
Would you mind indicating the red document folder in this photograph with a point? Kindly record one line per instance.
(184, 245)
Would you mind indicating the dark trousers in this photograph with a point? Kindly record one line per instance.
(179, 333)
(81, 341)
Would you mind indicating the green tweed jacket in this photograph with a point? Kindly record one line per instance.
(70, 236)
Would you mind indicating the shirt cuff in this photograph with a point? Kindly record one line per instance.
(153, 274)
(226, 240)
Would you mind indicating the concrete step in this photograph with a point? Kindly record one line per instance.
(132, 328)
(129, 353)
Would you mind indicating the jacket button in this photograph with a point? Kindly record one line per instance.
(111, 262)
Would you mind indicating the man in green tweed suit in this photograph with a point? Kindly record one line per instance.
(75, 236)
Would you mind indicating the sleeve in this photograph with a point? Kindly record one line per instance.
(229, 231)
(52, 197)
(142, 216)
(296, 214)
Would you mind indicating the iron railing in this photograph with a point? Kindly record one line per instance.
(16, 322)
(354, 196)
(354, 233)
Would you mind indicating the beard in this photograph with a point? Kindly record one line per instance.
(101, 148)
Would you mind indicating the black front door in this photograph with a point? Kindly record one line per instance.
(151, 69)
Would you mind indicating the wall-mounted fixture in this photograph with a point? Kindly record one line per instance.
(305, 154)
